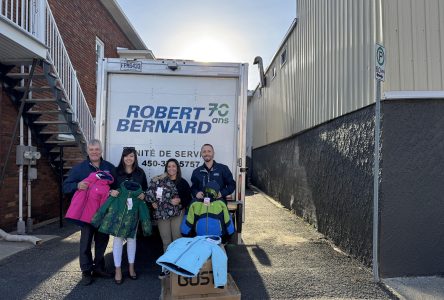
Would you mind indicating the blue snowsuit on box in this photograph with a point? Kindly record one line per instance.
(186, 256)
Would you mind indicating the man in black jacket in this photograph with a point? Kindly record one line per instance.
(211, 171)
(75, 182)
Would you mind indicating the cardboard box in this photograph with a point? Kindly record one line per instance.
(202, 283)
(230, 292)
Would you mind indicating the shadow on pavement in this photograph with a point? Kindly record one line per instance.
(244, 272)
(260, 255)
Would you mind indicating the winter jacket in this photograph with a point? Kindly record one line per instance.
(165, 209)
(81, 171)
(186, 256)
(85, 203)
(219, 173)
(208, 218)
(120, 215)
(211, 219)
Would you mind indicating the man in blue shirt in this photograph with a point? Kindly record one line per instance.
(74, 182)
(211, 171)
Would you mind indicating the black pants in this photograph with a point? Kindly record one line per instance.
(87, 233)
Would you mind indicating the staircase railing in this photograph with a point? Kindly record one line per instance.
(35, 18)
(58, 55)
(26, 15)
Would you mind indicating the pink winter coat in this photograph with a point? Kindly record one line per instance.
(85, 203)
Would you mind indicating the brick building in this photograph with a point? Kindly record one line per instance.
(67, 40)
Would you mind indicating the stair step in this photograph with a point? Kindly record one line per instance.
(55, 132)
(58, 122)
(62, 143)
(44, 112)
(34, 88)
(18, 62)
(35, 75)
(56, 149)
(25, 75)
(69, 159)
(40, 100)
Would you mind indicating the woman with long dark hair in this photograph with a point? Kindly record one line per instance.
(127, 170)
(169, 195)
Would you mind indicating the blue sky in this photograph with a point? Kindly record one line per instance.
(212, 30)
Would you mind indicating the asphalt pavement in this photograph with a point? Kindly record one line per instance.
(282, 257)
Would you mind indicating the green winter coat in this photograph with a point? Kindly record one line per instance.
(116, 218)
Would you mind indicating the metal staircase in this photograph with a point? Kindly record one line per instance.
(47, 111)
(55, 108)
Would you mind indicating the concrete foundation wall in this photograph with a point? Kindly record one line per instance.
(325, 176)
(412, 188)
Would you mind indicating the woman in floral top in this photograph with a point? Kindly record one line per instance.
(169, 195)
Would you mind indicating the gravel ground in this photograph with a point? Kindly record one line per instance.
(282, 258)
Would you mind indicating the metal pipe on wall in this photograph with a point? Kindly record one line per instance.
(29, 222)
(20, 222)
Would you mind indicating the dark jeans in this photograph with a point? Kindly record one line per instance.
(87, 233)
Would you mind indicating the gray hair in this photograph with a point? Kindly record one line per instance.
(93, 142)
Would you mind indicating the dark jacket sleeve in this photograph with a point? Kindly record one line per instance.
(74, 177)
(144, 182)
(116, 184)
(184, 193)
(195, 183)
(229, 183)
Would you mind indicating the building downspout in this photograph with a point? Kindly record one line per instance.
(258, 61)
(19, 238)
(20, 223)
(29, 222)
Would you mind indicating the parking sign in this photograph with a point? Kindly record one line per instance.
(379, 62)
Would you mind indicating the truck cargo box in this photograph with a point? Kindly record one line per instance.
(169, 109)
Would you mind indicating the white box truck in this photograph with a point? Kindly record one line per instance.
(169, 109)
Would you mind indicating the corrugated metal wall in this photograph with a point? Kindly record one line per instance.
(330, 66)
(413, 34)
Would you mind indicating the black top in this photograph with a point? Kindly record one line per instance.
(138, 175)
(184, 190)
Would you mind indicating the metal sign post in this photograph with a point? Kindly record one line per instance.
(379, 76)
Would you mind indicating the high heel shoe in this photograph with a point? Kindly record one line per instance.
(118, 281)
(133, 277)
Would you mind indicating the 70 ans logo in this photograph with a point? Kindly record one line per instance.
(203, 278)
(220, 111)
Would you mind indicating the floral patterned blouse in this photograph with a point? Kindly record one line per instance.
(163, 185)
